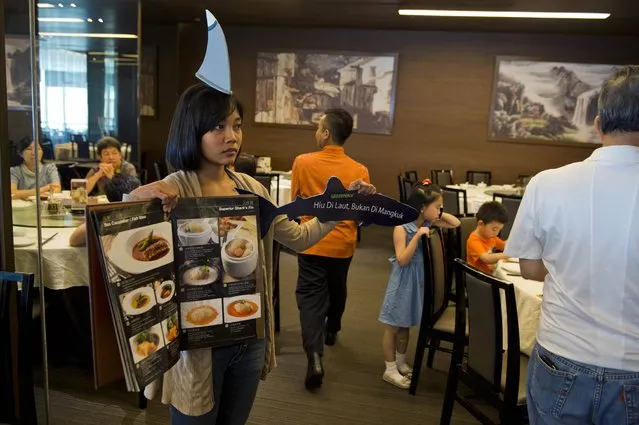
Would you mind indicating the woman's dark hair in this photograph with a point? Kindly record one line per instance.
(199, 110)
(24, 143)
(423, 195)
(619, 102)
(107, 142)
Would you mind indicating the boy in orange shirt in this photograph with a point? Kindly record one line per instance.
(484, 248)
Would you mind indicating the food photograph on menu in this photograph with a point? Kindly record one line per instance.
(240, 248)
(140, 250)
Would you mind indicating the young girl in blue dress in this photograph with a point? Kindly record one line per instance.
(402, 307)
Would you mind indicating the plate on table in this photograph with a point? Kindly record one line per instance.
(21, 241)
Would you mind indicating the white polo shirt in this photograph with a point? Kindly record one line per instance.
(582, 220)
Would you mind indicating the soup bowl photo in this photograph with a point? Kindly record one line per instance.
(200, 273)
(194, 233)
(239, 257)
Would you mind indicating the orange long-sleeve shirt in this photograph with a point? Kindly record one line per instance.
(311, 172)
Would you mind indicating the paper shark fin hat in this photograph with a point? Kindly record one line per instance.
(215, 70)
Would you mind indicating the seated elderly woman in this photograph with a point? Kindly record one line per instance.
(111, 166)
(114, 189)
(23, 180)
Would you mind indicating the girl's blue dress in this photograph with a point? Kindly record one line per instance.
(404, 297)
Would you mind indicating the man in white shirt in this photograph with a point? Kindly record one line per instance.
(577, 229)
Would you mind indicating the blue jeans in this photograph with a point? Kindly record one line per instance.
(562, 391)
(236, 376)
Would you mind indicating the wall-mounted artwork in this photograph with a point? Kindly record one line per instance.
(546, 101)
(18, 69)
(295, 88)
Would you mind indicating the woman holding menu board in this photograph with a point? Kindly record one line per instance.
(217, 386)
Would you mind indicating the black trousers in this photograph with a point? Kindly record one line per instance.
(321, 297)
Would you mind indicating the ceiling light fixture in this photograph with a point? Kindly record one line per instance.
(87, 35)
(100, 20)
(60, 5)
(65, 20)
(89, 20)
(501, 14)
(73, 5)
(45, 5)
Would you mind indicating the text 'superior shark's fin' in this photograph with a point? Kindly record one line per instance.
(215, 70)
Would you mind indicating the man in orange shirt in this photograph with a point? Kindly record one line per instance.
(323, 268)
(484, 248)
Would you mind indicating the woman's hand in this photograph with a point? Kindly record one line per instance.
(157, 190)
(362, 187)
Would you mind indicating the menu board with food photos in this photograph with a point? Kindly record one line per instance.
(180, 281)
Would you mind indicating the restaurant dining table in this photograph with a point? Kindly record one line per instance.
(528, 297)
(477, 195)
(64, 266)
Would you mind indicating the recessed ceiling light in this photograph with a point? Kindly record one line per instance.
(45, 5)
(501, 14)
(100, 20)
(66, 20)
(73, 5)
(89, 20)
(60, 5)
(88, 35)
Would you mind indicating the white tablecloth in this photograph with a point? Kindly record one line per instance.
(285, 190)
(528, 295)
(63, 265)
(477, 195)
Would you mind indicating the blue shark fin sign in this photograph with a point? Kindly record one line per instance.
(215, 70)
(336, 204)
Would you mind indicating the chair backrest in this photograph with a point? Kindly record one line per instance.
(8, 286)
(455, 201)
(523, 180)
(407, 187)
(442, 178)
(411, 175)
(468, 225)
(476, 177)
(436, 287)
(265, 181)
(161, 169)
(484, 295)
(400, 184)
(511, 203)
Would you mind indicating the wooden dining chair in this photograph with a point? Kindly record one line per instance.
(438, 315)
(442, 178)
(19, 285)
(411, 175)
(161, 170)
(511, 203)
(455, 201)
(480, 361)
(476, 177)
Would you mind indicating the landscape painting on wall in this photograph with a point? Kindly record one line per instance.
(18, 69)
(546, 101)
(295, 88)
